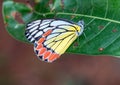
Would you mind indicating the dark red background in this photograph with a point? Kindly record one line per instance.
(20, 66)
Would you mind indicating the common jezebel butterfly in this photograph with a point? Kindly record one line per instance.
(52, 37)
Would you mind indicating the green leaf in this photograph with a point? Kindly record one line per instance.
(102, 23)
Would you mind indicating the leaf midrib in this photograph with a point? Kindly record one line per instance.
(94, 17)
(82, 15)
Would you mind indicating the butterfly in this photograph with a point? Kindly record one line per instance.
(52, 37)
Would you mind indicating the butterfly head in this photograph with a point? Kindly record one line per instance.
(81, 27)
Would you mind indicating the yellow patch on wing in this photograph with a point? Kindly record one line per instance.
(49, 41)
(61, 42)
(56, 44)
(65, 44)
(63, 35)
(78, 28)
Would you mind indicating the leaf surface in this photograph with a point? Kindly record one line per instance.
(102, 22)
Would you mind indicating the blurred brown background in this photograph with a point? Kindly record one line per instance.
(20, 66)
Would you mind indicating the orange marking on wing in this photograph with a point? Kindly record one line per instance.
(39, 46)
(42, 50)
(47, 33)
(41, 40)
(46, 54)
(53, 56)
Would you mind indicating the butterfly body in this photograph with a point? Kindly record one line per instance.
(52, 37)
